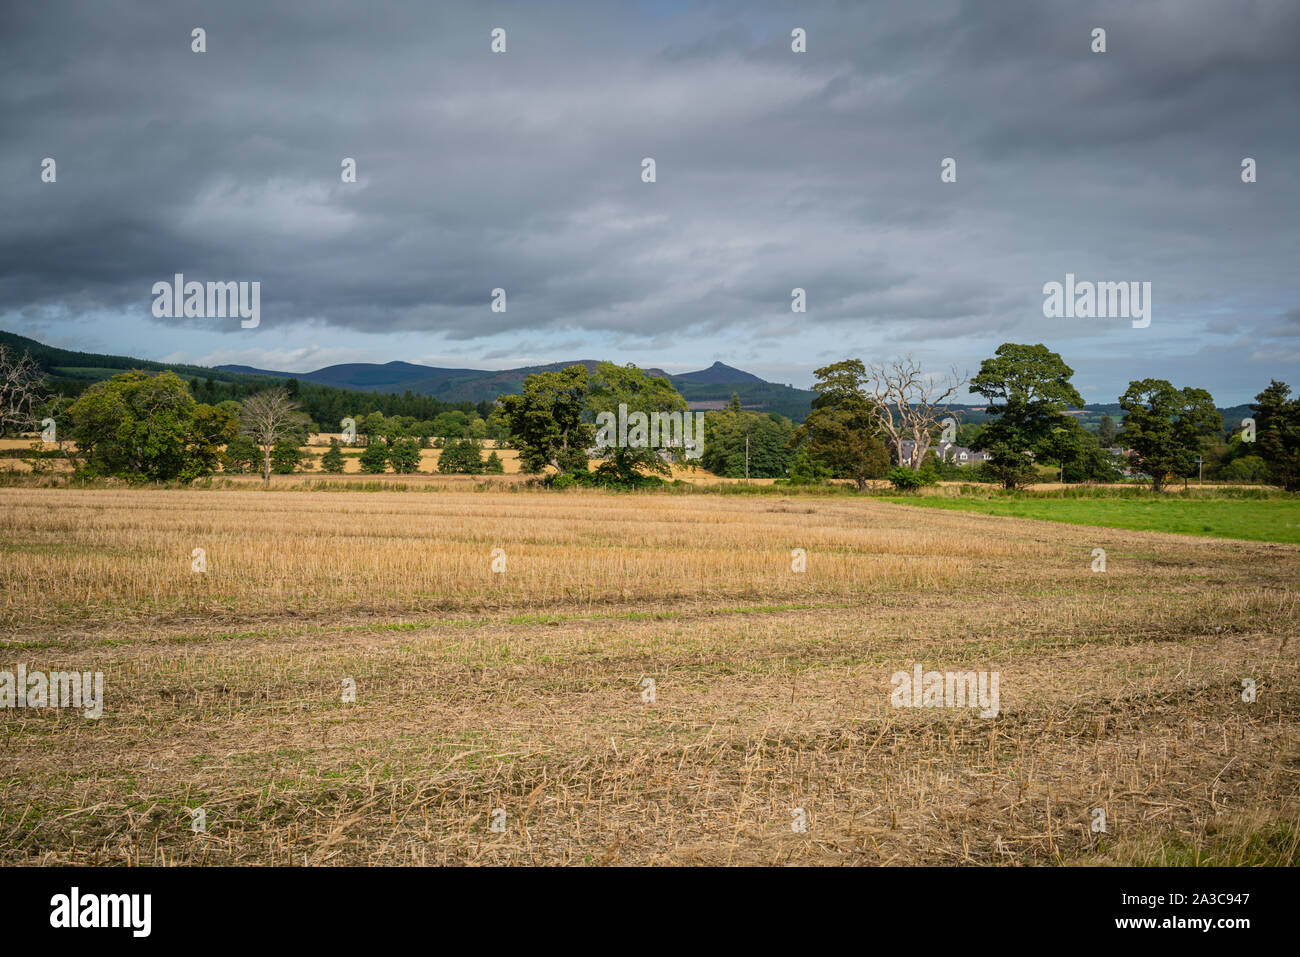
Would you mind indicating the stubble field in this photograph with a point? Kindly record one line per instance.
(500, 717)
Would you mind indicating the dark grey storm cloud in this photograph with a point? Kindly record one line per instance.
(775, 170)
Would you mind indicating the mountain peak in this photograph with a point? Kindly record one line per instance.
(717, 373)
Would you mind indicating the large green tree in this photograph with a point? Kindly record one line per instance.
(545, 420)
(286, 457)
(1277, 433)
(404, 456)
(375, 426)
(374, 457)
(768, 435)
(1028, 388)
(1165, 426)
(241, 455)
(212, 428)
(841, 433)
(461, 456)
(451, 425)
(149, 427)
(614, 386)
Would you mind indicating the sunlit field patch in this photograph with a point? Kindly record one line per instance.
(1261, 520)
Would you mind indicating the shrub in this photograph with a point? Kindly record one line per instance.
(1248, 468)
(805, 470)
(909, 480)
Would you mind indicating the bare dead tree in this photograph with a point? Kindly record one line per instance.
(908, 403)
(22, 390)
(270, 417)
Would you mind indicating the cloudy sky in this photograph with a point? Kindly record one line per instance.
(775, 170)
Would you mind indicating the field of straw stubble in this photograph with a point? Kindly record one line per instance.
(523, 691)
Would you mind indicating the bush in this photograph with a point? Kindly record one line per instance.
(607, 476)
(38, 457)
(494, 465)
(805, 470)
(946, 471)
(905, 479)
(1248, 468)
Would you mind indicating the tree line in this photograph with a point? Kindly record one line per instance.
(147, 426)
(864, 415)
(885, 420)
(867, 422)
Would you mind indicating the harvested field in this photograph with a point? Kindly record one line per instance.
(525, 690)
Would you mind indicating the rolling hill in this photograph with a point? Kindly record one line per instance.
(706, 388)
(703, 389)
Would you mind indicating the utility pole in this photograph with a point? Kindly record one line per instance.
(1200, 469)
(746, 458)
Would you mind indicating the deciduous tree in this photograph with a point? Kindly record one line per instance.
(271, 417)
(545, 420)
(404, 456)
(842, 432)
(1028, 388)
(768, 434)
(22, 390)
(1164, 427)
(141, 426)
(461, 456)
(908, 404)
(613, 386)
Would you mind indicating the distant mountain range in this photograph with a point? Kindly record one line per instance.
(432, 380)
(709, 388)
(470, 385)
(704, 389)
